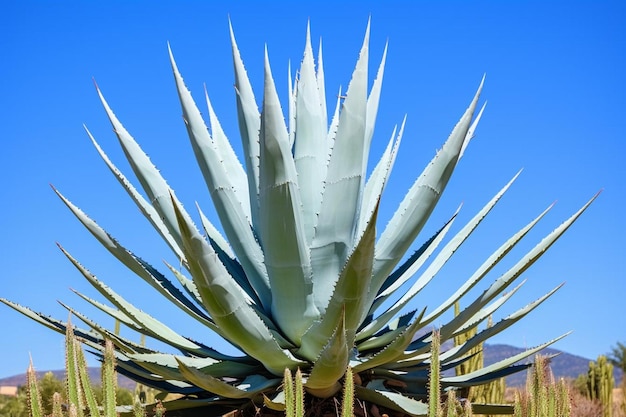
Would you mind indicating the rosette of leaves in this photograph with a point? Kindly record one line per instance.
(302, 275)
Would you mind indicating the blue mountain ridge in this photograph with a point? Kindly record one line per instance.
(564, 365)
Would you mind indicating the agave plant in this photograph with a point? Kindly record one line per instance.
(299, 277)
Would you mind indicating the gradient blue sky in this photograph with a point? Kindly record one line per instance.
(556, 102)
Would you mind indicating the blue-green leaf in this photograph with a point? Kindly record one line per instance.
(310, 148)
(227, 202)
(250, 387)
(421, 199)
(336, 226)
(249, 125)
(224, 300)
(281, 227)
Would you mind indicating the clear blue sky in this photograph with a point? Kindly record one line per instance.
(556, 103)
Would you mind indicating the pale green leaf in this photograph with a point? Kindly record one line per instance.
(483, 374)
(310, 151)
(394, 349)
(378, 394)
(373, 99)
(151, 326)
(321, 84)
(148, 175)
(281, 228)
(336, 226)
(349, 296)
(251, 387)
(482, 271)
(419, 202)
(331, 364)
(512, 273)
(144, 206)
(137, 265)
(412, 264)
(249, 125)
(224, 300)
(232, 166)
(445, 254)
(378, 179)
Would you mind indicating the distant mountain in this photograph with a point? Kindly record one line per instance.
(564, 365)
(94, 377)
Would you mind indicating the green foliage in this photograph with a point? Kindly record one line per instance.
(53, 394)
(543, 396)
(48, 385)
(300, 278)
(617, 357)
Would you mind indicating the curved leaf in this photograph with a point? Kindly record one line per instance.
(281, 227)
(223, 299)
(335, 231)
(251, 387)
(420, 201)
(310, 149)
(249, 125)
(378, 394)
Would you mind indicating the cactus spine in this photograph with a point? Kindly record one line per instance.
(294, 394)
(81, 399)
(434, 383)
(34, 398)
(347, 406)
(57, 405)
(543, 396)
(600, 384)
(290, 407)
(454, 407)
(73, 386)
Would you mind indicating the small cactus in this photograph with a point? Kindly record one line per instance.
(543, 397)
(34, 398)
(109, 378)
(73, 385)
(347, 406)
(453, 406)
(294, 394)
(57, 406)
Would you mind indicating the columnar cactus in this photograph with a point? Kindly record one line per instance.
(600, 382)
